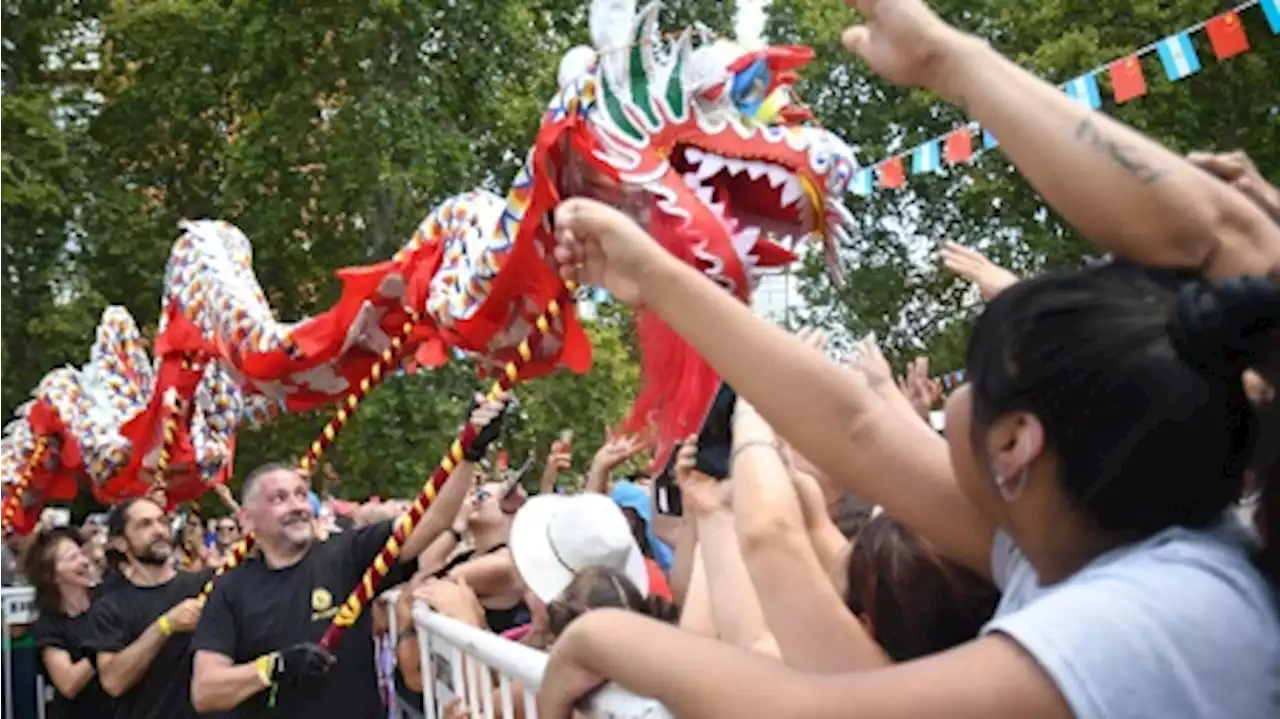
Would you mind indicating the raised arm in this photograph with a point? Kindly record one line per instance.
(827, 413)
(731, 597)
(812, 627)
(1120, 188)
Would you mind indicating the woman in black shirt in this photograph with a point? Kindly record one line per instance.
(64, 578)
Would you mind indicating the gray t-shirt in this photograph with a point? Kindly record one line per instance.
(1179, 625)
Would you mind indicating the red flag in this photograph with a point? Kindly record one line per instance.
(1226, 34)
(958, 146)
(1127, 81)
(892, 174)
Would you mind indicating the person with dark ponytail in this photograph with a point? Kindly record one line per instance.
(64, 579)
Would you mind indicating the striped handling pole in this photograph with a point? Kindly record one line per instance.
(380, 370)
(363, 593)
(14, 500)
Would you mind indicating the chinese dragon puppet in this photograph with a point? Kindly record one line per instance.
(700, 140)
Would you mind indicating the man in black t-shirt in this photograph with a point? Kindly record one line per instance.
(255, 647)
(141, 630)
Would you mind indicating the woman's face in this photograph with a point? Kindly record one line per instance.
(193, 530)
(71, 566)
(487, 510)
(971, 472)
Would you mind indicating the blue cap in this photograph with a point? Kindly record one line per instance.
(314, 499)
(629, 495)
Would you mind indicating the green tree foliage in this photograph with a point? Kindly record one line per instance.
(43, 183)
(326, 131)
(895, 286)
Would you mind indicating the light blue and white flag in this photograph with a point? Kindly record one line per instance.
(926, 158)
(1084, 90)
(863, 182)
(1178, 56)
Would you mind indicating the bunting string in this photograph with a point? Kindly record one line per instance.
(1178, 58)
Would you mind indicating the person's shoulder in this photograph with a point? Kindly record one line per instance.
(1184, 615)
(47, 624)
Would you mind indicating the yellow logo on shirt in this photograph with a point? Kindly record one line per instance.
(322, 604)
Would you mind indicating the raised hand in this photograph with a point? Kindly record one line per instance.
(616, 450)
(597, 244)
(870, 361)
(987, 276)
(486, 416)
(902, 41)
(919, 388)
(702, 495)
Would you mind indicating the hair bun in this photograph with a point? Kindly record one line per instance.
(1223, 328)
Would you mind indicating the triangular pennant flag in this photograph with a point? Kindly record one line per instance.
(892, 174)
(989, 141)
(1178, 56)
(959, 146)
(1226, 35)
(1126, 79)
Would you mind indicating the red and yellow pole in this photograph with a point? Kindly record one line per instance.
(364, 591)
(380, 370)
(14, 500)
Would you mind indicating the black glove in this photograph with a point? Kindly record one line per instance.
(487, 434)
(300, 663)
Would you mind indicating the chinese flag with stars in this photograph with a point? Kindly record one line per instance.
(1126, 79)
(892, 174)
(1226, 34)
(958, 146)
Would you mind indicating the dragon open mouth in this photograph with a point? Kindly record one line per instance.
(753, 197)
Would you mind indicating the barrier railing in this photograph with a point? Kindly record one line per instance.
(17, 611)
(461, 660)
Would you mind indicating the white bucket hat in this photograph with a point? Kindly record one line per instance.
(554, 537)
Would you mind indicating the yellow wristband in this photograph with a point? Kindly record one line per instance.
(164, 625)
(265, 664)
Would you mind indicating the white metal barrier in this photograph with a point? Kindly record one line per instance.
(459, 659)
(18, 609)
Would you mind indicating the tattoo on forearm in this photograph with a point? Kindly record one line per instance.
(1121, 154)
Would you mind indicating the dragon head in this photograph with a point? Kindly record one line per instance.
(706, 146)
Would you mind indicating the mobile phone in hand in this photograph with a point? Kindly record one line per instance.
(666, 493)
(715, 439)
(563, 443)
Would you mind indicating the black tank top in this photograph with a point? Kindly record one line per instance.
(499, 620)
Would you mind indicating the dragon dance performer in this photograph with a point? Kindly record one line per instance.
(255, 648)
(140, 631)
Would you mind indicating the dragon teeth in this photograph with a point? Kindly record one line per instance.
(776, 175)
(791, 192)
(756, 170)
(746, 239)
(693, 154)
(709, 167)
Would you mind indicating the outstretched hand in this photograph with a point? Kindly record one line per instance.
(990, 279)
(597, 244)
(902, 41)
